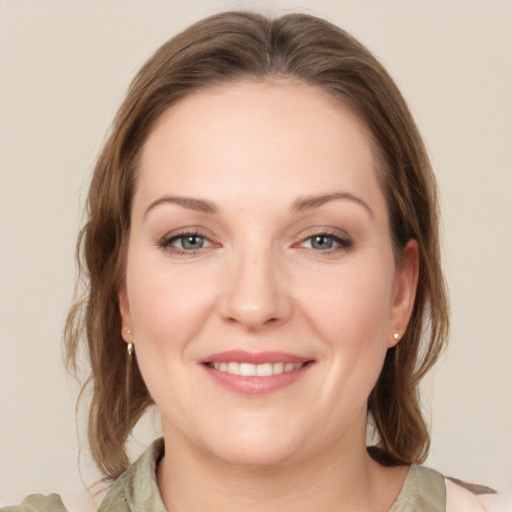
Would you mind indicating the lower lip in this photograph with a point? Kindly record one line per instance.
(256, 385)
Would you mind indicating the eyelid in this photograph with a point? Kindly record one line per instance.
(343, 240)
(165, 242)
(174, 239)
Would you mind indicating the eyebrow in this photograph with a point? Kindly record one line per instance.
(315, 201)
(199, 205)
(301, 204)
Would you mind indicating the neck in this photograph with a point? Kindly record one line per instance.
(343, 479)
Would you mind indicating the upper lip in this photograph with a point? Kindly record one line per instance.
(242, 356)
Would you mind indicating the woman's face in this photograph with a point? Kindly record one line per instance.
(261, 288)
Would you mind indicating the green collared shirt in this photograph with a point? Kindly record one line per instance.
(136, 490)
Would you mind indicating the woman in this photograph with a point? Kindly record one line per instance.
(262, 258)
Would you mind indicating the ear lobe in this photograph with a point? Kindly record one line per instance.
(126, 318)
(406, 283)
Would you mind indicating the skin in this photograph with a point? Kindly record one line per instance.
(263, 282)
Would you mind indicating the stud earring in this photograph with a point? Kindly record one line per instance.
(396, 336)
(130, 347)
(127, 330)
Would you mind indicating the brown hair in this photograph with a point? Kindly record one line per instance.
(237, 46)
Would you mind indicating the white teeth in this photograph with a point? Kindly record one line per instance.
(247, 369)
(264, 370)
(278, 367)
(255, 370)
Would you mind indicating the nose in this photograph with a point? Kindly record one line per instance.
(255, 294)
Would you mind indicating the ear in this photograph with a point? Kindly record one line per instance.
(404, 292)
(126, 317)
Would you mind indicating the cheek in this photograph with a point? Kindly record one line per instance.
(350, 313)
(168, 309)
(350, 306)
(165, 303)
(361, 345)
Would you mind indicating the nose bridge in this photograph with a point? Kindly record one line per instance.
(255, 293)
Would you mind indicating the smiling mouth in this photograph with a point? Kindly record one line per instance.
(255, 370)
(256, 373)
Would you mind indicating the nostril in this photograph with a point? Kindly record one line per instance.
(254, 306)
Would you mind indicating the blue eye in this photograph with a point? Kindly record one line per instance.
(322, 242)
(184, 243)
(189, 242)
(327, 242)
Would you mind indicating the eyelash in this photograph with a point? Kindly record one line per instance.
(339, 243)
(166, 242)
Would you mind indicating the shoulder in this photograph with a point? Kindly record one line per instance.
(136, 488)
(423, 491)
(462, 498)
(426, 490)
(38, 503)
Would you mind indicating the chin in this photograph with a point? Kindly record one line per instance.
(259, 444)
(256, 456)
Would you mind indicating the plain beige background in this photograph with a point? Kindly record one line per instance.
(64, 66)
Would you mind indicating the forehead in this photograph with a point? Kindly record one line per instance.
(258, 135)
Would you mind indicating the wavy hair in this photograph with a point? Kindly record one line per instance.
(238, 46)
